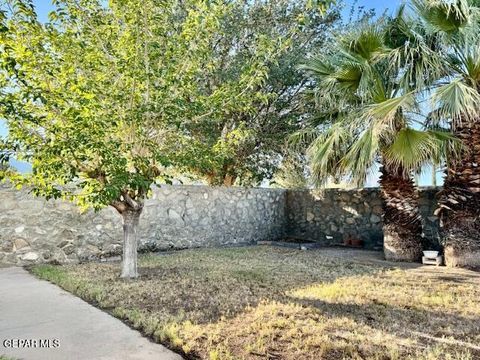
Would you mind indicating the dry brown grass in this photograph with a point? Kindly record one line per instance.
(272, 303)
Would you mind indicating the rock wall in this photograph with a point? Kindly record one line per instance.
(35, 230)
(329, 216)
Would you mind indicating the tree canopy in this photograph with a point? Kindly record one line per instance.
(97, 95)
(367, 109)
(244, 143)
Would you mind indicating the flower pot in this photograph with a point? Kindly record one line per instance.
(357, 242)
(431, 254)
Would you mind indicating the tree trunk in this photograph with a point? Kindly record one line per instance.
(131, 219)
(223, 178)
(459, 201)
(228, 180)
(210, 178)
(402, 224)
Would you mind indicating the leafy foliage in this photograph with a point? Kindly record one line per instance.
(367, 109)
(103, 99)
(264, 40)
(292, 173)
(450, 44)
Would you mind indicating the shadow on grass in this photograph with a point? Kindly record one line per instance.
(434, 327)
(204, 291)
(280, 303)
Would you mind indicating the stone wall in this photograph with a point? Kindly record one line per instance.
(35, 230)
(329, 216)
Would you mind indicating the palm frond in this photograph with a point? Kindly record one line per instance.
(441, 15)
(300, 139)
(326, 151)
(365, 43)
(386, 112)
(349, 76)
(449, 146)
(361, 156)
(472, 64)
(412, 149)
(457, 101)
(414, 53)
(318, 67)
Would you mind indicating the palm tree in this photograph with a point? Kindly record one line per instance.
(447, 40)
(365, 117)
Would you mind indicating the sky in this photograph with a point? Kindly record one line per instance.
(45, 6)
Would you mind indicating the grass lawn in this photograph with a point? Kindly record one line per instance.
(271, 303)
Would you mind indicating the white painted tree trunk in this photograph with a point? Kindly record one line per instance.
(130, 226)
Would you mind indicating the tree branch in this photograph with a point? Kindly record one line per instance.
(132, 203)
(119, 206)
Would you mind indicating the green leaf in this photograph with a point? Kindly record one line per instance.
(456, 100)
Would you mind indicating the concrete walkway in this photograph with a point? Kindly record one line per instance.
(33, 309)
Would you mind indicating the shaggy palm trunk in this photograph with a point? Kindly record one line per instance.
(131, 219)
(459, 201)
(402, 224)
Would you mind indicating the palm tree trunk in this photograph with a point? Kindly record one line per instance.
(402, 225)
(459, 201)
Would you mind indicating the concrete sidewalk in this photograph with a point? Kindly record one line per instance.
(37, 311)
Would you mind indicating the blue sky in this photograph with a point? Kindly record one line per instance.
(45, 6)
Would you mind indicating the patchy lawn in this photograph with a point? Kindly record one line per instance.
(273, 303)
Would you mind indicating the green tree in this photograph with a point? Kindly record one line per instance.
(244, 145)
(366, 116)
(292, 172)
(98, 99)
(445, 37)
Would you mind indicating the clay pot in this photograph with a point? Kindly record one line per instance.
(357, 242)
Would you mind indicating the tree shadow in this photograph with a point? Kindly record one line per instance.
(224, 285)
(227, 289)
(431, 327)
